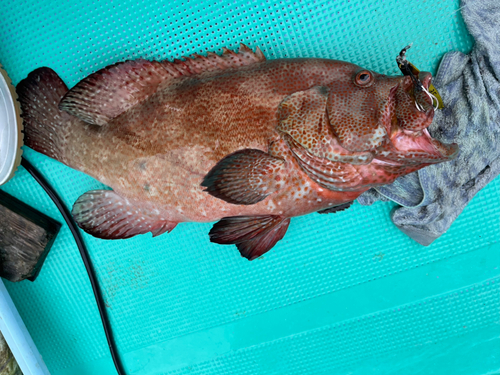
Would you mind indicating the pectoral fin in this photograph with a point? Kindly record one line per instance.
(244, 177)
(104, 214)
(253, 235)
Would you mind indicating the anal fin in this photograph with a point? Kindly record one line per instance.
(104, 214)
(252, 235)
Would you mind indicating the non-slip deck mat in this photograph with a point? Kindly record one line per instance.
(343, 293)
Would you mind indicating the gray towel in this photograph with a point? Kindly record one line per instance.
(433, 197)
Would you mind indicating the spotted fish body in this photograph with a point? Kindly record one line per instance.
(235, 138)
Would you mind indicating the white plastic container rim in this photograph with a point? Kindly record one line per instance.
(10, 130)
(18, 338)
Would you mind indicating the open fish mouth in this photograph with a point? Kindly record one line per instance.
(411, 142)
(406, 148)
(410, 149)
(422, 148)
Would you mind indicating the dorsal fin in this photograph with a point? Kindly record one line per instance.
(109, 92)
(229, 59)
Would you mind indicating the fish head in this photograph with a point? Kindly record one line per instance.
(387, 116)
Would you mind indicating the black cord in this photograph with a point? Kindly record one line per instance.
(86, 261)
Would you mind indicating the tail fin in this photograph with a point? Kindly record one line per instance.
(45, 125)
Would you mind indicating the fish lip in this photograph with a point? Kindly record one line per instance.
(390, 114)
(425, 78)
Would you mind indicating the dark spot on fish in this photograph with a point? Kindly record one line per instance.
(142, 165)
(146, 187)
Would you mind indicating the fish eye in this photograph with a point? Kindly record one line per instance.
(364, 78)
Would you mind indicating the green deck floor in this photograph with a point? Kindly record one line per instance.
(340, 294)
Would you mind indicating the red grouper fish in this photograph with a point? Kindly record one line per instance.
(236, 138)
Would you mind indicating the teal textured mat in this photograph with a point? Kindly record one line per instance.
(345, 293)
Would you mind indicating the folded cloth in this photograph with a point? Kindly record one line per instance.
(433, 197)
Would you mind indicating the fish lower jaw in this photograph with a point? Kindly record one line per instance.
(408, 147)
(442, 150)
